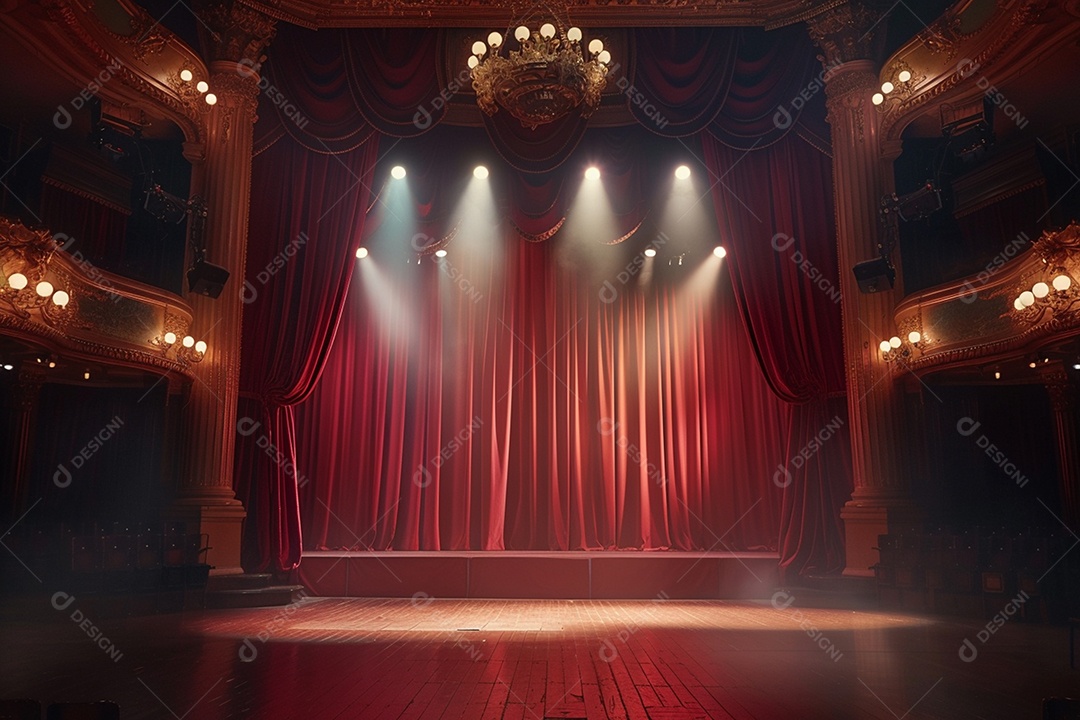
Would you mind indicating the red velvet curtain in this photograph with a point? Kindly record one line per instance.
(505, 400)
(307, 220)
(770, 211)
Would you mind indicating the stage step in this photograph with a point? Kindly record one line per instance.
(268, 596)
(239, 581)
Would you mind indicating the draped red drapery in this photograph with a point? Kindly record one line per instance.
(667, 367)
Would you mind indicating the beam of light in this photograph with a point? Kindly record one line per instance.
(592, 173)
(480, 172)
(590, 225)
(682, 173)
(361, 253)
(382, 296)
(397, 172)
(719, 252)
(705, 278)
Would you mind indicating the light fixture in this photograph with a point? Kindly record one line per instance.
(170, 339)
(719, 251)
(877, 98)
(887, 87)
(546, 78)
(682, 172)
(1076, 366)
(186, 75)
(200, 347)
(650, 252)
(86, 375)
(1057, 295)
(397, 172)
(894, 342)
(480, 172)
(44, 289)
(904, 76)
(1033, 364)
(592, 173)
(211, 99)
(997, 375)
(914, 337)
(361, 253)
(201, 86)
(440, 253)
(896, 348)
(61, 298)
(9, 366)
(17, 281)
(42, 295)
(188, 341)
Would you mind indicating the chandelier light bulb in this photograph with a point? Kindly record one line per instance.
(547, 31)
(894, 341)
(1040, 289)
(188, 341)
(186, 75)
(595, 46)
(604, 57)
(495, 40)
(44, 288)
(480, 172)
(884, 347)
(682, 172)
(472, 62)
(170, 338)
(1062, 283)
(914, 337)
(479, 48)
(573, 34)
(1027, 298)
(1017, 304)
(522, 33)
(877, 99)
(720, 251)
(211, 99)
(17, 281)
(886, 87)
(201, 86)
(361, 253)
(200, 347)
(650, 252)
(61, 298)
(904, 76)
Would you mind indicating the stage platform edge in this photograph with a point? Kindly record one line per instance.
(568, 575)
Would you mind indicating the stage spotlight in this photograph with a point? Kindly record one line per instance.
(682, 172)
(440, 253)
(650, 252)
(592, 173)
(480, 172)
(397, 172)
(361, 253)
(719, 251)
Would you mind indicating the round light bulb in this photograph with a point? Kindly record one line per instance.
(877, 99)
(1032, 364)
(17, 281)
(682, 172)
(592, 174)
(397, 172)
(201, 86)
(997, 375)
(86, 375)
(886, 87)
(904, 76)
(495, 40)
(650, 252)
(574, 34)
(884, 346)
(604, 57)
(914, 337)
(894, 341)
(9, 367)
(170, 338)
(60, 298)
(1062, 283)
(1027, 298)
(44, 288)
(480, 172)
(361, 253)
(547, 31)
(595, 46)
(522, 33)
(188, 341)
(472, 62)
(719, 251)
(1040, 289)
(1017, 304)
(479, 48)
(211, 99)
(186, 75)
(200, 347)
(440, 253)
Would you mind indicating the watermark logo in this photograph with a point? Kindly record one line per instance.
(246, 427)
(609, 292)
(93, 274)
(638, 99)
(249, 292)
(971, 291)
(609, 650)
(782, 600)
(782, 242)
(783, 477)
(783, 118)
(422, 118)
(61, 601)
(608, 427)
(62, 117)
(249, 69)
(969, 651)
(422, 476)
(248, 651)
(967, 427)
(63, 476)
(967, 68)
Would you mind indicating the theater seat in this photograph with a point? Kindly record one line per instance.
(100, 710)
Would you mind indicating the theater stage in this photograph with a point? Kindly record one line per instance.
(570, 575)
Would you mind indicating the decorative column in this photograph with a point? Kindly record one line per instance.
(1067, 437)
(235, 37)
(880, 504)
(25, 394)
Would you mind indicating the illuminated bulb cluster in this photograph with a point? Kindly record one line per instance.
(547, 34)
(42, 292)
(202, 86)
(1040, 291)
(902, 77)
(894, 347)
(190, 350)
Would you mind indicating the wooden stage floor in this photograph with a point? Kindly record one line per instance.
(344, 658)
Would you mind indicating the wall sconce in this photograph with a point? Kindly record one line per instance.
(897, 82)
(1057, 296)
(42, 295)
(187, 352)
(898, 349)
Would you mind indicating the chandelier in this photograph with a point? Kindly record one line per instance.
(548, 76)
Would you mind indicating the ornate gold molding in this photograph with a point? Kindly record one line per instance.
(852, 31)
(234, 32)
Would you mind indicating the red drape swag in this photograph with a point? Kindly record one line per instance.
(503, 403)
(306, 222)
(772, 210)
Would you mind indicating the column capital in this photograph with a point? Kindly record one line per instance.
(852, 31)
(1060, 386)
(234, 32)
